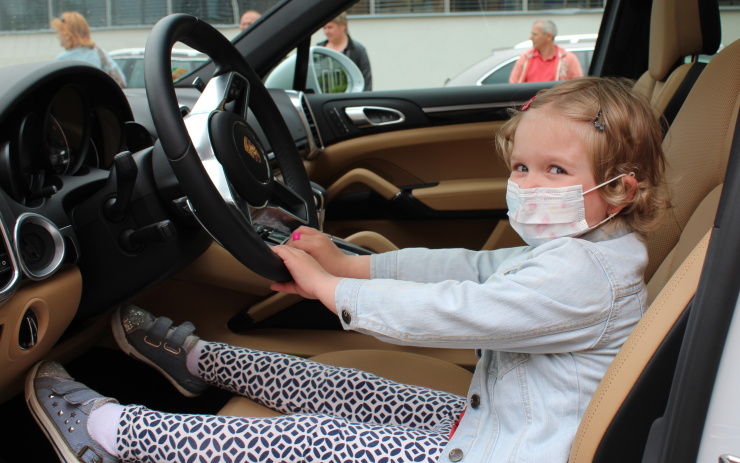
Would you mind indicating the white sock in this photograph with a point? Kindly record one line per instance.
(103, 426)
(193, 356)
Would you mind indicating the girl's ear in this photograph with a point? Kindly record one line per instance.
(631, 182)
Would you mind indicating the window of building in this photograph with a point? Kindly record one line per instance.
(390, 7)
(33, 15)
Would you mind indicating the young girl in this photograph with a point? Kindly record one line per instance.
(546, 319)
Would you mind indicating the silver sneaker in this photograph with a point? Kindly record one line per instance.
(156, 342)
(62, 406)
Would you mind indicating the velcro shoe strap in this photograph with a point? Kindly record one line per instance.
(74, 392)
(178, 336)
(159, 329)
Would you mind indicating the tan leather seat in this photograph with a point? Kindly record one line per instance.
(697, 148)
(678, 29)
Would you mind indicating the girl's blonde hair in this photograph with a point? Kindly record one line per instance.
(73, 30)
(622, 135)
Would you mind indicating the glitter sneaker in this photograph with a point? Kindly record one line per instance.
(156, 342)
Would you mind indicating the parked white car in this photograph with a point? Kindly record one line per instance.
(496, 68)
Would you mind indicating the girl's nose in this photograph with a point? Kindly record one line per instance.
(530, 181)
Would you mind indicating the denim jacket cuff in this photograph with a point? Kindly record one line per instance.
(345, 297)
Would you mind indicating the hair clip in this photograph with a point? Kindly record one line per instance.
(598, 123)
(526, 105)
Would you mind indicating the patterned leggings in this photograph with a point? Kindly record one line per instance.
(333, 414)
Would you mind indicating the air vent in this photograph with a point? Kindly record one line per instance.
(39, 245)
(311, 122)
(9, 270)
(313, 137)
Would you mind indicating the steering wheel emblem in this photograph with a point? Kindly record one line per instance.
(252, 150)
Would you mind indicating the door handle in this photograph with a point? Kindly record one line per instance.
(373, 116)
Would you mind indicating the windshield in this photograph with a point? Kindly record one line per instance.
(44, 30)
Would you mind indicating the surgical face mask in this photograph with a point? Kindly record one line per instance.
(542, 214)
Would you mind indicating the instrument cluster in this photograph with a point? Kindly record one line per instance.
(52, 139)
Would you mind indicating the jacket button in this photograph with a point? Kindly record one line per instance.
(475, 401)
(456, 455)
(346, 317)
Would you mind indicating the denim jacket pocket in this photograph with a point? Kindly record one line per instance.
(504, 362)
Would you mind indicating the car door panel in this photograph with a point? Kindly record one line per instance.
(437, 169)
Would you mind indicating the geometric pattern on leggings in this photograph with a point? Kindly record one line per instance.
(149, 436)
(292, 384)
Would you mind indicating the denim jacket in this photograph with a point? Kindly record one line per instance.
(548, 321)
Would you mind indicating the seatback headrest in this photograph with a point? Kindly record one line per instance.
(680, 28)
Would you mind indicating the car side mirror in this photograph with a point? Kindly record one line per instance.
(328, 72)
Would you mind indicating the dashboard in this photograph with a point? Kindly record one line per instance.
(62, 124)
(91, 213)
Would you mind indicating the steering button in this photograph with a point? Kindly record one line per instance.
(346, 317)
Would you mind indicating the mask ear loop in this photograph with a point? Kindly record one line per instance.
(631, 174)
(610, 216)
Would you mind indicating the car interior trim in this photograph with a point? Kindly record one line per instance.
(468, 107)
(315, 143)
(464, 195)
(54, 302)
(39, 245)
(364, 177)
(414, 156)
(10, 256)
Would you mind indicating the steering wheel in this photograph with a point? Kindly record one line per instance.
(216, 156)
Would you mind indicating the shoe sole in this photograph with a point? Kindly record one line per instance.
(62, 449)
(120, 336)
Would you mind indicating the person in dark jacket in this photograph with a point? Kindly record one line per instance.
(338, 39)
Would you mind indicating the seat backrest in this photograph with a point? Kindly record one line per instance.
(678, 29)
(697, 147)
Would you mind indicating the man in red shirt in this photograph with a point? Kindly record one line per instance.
(545, 61)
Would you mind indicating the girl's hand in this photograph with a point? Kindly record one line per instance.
(319, 246)
(310, 280)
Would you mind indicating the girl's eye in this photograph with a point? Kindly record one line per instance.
(556, 170)
(521, 168)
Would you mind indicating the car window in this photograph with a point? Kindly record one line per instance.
(584, 57)
(428, 43)
(500, 75)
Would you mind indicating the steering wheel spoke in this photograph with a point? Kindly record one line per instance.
(226, 92)
(284, 211)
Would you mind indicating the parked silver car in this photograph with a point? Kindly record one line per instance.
(131, 62)
(496, 68)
